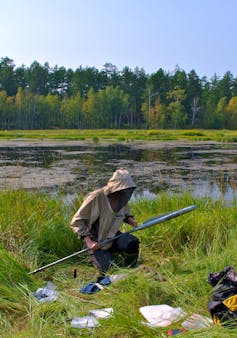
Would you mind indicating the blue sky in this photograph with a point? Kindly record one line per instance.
(149, 34)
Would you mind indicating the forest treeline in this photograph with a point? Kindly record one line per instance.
(44, 97)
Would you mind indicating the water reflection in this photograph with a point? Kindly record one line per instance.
(203, 169)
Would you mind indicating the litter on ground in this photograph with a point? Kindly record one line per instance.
(102, 313)
(84, 322)
(46, 294)
(161, 315)
(91, 320)
(94, 287)
(196, 321)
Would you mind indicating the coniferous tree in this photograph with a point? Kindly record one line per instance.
(7, 76)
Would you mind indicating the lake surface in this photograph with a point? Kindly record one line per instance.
(205, 169)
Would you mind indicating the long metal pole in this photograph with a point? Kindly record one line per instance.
(146, 224)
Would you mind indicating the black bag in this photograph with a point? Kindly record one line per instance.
(223, 303)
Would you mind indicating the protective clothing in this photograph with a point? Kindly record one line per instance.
(100, 216)
(95, 217)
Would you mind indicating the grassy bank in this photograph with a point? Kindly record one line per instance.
(175, 259)
(124, 135)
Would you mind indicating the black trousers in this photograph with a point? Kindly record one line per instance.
(126, 245)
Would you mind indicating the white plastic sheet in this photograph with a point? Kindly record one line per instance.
(161, 315)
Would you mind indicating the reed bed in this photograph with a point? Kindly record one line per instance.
(123, 135)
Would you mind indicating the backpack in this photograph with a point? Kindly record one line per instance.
(223, 303)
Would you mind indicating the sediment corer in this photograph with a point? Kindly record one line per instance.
(146, 224)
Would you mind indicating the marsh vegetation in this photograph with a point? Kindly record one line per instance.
(175, 259)
(123, 135)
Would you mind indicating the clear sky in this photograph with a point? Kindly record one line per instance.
(149, 34)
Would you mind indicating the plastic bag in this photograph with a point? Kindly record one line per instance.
(117, 278)
(161, 315)
(46, 294)
(196, 321)
(92, 319)
(102, 313)
(84, 322)
(223, 302)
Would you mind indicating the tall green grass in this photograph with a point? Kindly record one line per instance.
(175, 259)
(123, 135)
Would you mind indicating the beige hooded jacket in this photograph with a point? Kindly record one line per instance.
(96, 208)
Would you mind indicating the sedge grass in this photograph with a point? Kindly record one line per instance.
(175, 259)
(123, 135)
